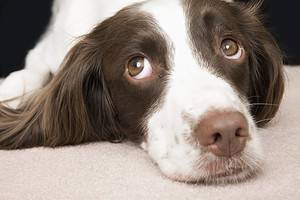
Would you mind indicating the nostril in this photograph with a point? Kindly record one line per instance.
(238, 132)
(216, 137)
(241, 132)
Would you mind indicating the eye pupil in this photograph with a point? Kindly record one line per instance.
(138, 64)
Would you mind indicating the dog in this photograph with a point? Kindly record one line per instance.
(191, 81)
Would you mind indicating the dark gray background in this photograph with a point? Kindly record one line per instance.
(23, 21)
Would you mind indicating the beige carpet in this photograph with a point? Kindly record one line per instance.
(123, 171)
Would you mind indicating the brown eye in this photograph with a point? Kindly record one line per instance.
(231, 49)
(139, 67)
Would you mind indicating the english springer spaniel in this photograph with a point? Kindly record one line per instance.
(188, 80)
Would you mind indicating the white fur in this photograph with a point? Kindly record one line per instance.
(193, 88)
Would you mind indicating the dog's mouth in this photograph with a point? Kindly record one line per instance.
(224, 166)
(222, 170)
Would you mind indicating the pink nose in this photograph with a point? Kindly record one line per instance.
(224, 133)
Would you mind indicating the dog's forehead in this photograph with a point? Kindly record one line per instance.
(171, 18)
(173, 15)
(169, 15)
(174, 19)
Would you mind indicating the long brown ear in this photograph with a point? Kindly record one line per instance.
(75, 107)
(266, 69)
(267, 82)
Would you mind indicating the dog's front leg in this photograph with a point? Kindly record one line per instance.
(19, 84)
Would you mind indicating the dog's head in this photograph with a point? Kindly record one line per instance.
(190, 80)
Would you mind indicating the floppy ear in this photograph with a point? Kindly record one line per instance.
(266, 71)
(267, 82)
(75, 107)
(81, 101)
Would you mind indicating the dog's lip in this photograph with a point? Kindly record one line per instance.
(221, 168)
(235, 175)
(228, 173)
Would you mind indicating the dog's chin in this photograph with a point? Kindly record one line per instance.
(232, 176)
(221, 170)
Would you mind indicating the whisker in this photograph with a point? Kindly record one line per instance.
(263, 104)
(251, 97)
(251, 161)
(264, 120)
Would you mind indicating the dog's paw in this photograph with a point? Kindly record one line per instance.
(17, 84)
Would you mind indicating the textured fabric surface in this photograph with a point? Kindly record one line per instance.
(123, 171)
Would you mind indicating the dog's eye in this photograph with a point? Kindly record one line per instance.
(139, 67)
(231, 49)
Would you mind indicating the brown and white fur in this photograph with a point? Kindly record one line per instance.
(75, 87)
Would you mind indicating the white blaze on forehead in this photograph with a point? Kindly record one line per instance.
(161, 145)
(171, 18)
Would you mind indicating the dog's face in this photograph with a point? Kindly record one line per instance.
(190, 80)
